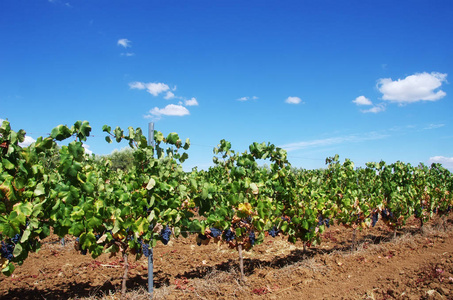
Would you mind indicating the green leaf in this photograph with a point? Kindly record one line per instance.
(151, 184)
(151, 216)
(172, 138)
(77, 229)
(9, 269)
(106, 128)
(25, 208)
(7, 164)
(39, 190)
(61, 132)
(25, 235)
(17, 250)
(88, 188)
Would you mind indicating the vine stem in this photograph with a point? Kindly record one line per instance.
(126, 269)
(241, 261)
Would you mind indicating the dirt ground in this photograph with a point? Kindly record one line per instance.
(414, 265)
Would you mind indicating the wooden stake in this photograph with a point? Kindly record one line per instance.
(241, 261)
(126, 269)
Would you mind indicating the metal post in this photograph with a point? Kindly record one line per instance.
(150, 257)
(150, 273)
(151, 134)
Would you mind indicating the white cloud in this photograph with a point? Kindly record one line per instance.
(124, 42)
(247, 98)
(362, 100)
(434, 126)
(169, 110)
(27, 141)
(87, 150)
(154, 88)
(137, 85)
(293, 100)
(375, 109)
(413, 88)
(127, 54)
(191, 102)
(333, 141)
(447, 162)
(169, 95)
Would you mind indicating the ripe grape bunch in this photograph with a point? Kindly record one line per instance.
(374, 218)
(322, 221)
(145, 249)
(201, 238)
(7, 249)
(386, 214)
(215, 233)
(165, 235)
(229, 235)
(252, 238)
(273, 232)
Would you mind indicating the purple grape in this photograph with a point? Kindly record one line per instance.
(165, 235)
(215, 232)
(229, 235)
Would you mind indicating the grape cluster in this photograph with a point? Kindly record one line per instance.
(252, 238)
(386, 214)
(165, 235)
(229, 235)
(274, 231)
(201, 238)
(287, 219)
(215, 232)
(6, 250)
(322, 221)
(374, 218)
(145, 249)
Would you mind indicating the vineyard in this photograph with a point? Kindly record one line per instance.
(247, 200)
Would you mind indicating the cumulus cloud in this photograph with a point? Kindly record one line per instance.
(169, 95)
(169, 110)
(137, 85)
(293, 100)
(27, 141)
(362, 100)
(375, 109)
(87, 150)
(447, 162)
(413, 88)
(154, 88)
(124, 43)
(191, 102)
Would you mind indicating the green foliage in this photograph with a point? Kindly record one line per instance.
(118, 202)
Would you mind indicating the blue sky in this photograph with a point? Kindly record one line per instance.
(368, 80)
